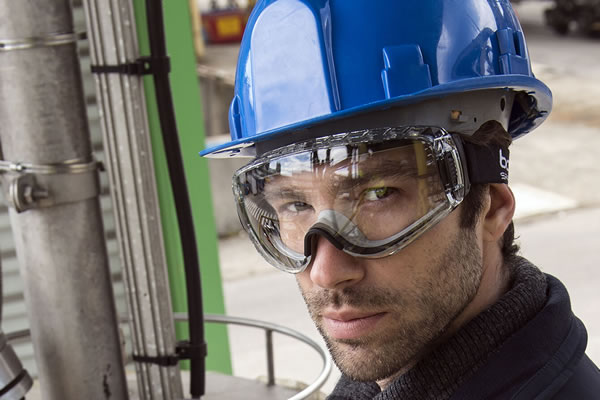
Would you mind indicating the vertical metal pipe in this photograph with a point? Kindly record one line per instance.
(124, 122)
(270, 358)
(61, 249)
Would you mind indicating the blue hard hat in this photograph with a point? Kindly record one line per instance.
(305, 64)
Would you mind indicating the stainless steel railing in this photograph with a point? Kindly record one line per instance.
(269, 329)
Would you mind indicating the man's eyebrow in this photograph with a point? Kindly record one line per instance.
(363, 176)
(379, 170)
(287, 189)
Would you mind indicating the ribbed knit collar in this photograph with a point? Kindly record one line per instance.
(442, 371)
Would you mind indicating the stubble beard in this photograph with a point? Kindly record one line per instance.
(422, 313)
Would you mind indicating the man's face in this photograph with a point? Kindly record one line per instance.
(379, 316)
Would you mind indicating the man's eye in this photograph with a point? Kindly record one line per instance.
(297, 207)
(378, 193)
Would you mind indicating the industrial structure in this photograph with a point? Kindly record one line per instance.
(102, 250)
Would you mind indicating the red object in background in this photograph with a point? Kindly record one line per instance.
(224, 26)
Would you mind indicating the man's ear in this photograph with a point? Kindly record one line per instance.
(500, 213)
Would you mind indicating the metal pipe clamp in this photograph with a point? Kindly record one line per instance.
(51, 39)
(28, 186)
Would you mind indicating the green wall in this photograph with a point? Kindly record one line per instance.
(190, 125)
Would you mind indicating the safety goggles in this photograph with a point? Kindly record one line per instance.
(369, 192)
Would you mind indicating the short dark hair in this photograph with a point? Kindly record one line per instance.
(489, 133)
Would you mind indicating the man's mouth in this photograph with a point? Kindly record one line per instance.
(350, 324)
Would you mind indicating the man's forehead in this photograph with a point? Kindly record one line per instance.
(342, 156)
(349, 172)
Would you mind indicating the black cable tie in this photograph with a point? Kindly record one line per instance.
(186, 351)
(163, 361)
(183, 351)
(141, 66)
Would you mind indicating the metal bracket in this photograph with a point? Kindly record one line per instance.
(183, 351)
(15, 382)
(28, 186)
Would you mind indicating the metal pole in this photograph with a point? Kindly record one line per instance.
(59, 234)
(270, 358)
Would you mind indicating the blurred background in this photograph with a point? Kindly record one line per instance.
(555, 175)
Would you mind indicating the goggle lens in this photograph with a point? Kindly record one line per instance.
(366, 196)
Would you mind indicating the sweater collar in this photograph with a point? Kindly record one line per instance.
(443, 370)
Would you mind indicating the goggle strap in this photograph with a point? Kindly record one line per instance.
(487, 164)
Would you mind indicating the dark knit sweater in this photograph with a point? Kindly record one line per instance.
(441, 372)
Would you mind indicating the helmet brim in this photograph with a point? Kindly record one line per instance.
(539, 104)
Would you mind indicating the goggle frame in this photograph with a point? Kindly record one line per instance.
(448, 153)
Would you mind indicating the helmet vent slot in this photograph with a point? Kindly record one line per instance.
(513, 54)
(405, 71)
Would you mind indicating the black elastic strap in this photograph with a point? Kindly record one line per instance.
(487, 164)
(141, 66)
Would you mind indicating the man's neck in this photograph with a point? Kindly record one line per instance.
(383, 383)
(495, 282)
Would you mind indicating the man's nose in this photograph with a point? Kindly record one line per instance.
(332, 268)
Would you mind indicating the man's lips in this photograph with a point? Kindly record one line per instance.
(350, 324)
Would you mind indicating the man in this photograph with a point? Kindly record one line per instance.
(379, 133)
